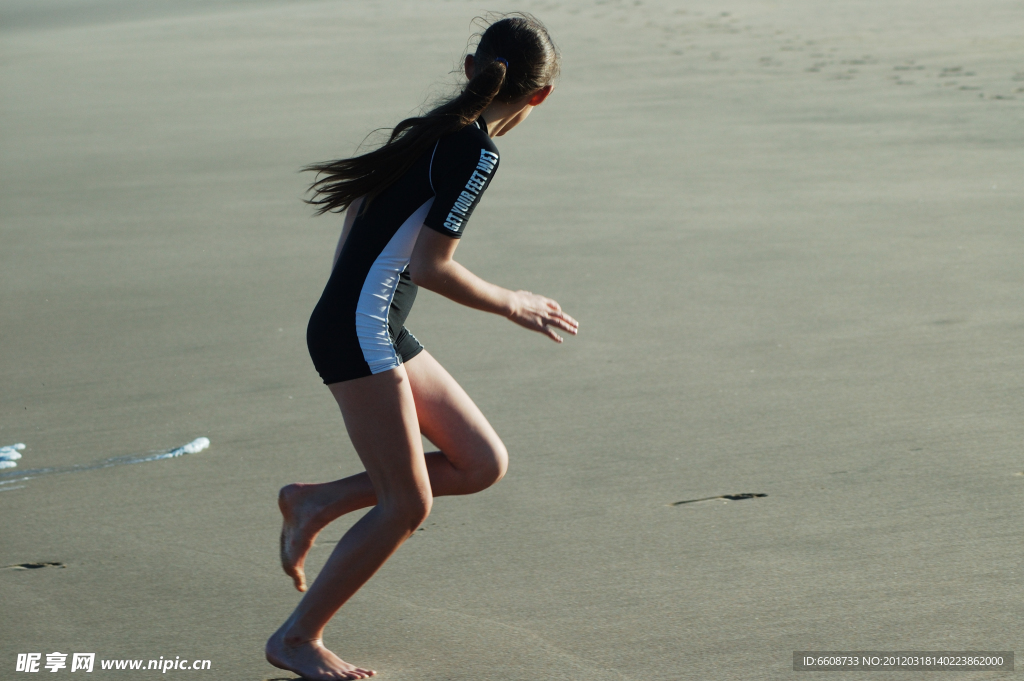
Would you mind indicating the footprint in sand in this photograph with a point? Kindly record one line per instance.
(33, 566)
(724, 497)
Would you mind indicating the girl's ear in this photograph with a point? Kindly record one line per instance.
(469, 66)
(540, 95)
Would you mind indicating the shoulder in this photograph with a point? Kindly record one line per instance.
(467, 148)
(460, 170)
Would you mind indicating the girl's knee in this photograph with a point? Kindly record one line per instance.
(410, 509)
(500, 461)
(491, 466)
(418, 509)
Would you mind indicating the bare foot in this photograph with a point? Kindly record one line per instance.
(301, 510)
(311, 660)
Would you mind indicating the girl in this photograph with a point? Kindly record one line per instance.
(407, 204)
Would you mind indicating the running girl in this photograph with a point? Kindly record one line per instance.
(407, 205)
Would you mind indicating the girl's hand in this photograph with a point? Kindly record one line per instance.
(541, 314)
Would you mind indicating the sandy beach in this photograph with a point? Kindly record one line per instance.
(791, 232)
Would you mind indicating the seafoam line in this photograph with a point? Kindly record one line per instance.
(10, 454)
(194, 447)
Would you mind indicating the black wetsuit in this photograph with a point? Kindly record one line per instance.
(358, 327)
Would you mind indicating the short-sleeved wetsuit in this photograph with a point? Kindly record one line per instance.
(358, 327)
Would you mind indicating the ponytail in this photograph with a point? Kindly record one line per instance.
(341, 182)
(517, 58)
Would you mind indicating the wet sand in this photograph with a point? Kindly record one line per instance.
(791, 233)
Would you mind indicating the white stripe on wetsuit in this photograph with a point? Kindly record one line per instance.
(378, 291)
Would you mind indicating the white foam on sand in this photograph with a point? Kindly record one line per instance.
(194, 447)
(9, 453)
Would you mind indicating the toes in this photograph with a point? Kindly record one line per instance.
(298, 577)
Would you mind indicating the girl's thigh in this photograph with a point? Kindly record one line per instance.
(380, 415)
(451, 420)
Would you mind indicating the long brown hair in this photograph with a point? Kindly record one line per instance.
(514, 58)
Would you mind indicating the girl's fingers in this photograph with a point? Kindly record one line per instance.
(547, 325)
(550, 333)
(566, 319)
(564, 325)
(545, 315)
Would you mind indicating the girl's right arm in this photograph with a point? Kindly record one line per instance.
(433, 268)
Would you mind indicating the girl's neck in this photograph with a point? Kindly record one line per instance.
(500, 117)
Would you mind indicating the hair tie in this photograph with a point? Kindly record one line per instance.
(502, 60)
